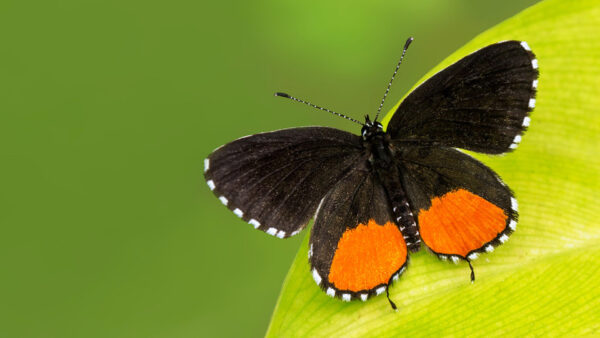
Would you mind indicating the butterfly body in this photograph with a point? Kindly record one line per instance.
(378, 196)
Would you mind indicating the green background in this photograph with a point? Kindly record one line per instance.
(107, 110)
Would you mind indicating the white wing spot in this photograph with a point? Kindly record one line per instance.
(442, 257)
(330, 292)
(238, 212)
(534, 63)
(525, 45)
(295, 233)
(514, 204)
(534, 84)
(395, 278)
(211, 184)
(281, 234)
(206, 165)
(513, 146)
(454, 259)
(310, 251)
(272, 231)
(316, 277)
(489, 248)
(363, 297)
(473, 256)
(380, 290)
(526, 121)
(346, 297)
(531, 103)
(517, 139)
(512, 224)
(503, 238)
(224, 200)
(254, 223)
(402, 270)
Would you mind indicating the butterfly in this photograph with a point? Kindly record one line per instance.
(380, 195)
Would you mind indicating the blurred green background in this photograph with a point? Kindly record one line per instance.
(107, 110)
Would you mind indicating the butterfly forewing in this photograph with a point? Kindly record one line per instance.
(480, 103)
(276, 180)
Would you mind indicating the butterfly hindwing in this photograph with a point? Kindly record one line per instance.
(480, 103)
(275, 180)
(356, 249)
(462, 207)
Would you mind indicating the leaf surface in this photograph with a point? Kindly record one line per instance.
(546, 278)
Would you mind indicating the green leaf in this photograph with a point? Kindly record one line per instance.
(546, 278)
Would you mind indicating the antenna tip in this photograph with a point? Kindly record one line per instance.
(408, 41)
(282, 95)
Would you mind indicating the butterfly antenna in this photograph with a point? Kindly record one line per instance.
(387, 90)
(315, 106)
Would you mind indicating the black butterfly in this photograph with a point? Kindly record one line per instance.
(377, 196)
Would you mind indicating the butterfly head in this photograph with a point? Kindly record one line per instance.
(371, 129)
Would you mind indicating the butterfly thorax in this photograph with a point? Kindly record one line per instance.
(383, 162)
(378, 148)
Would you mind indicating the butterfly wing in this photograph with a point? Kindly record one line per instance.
(480, 103)
(356, 249)
(461, 206)
(275, 180)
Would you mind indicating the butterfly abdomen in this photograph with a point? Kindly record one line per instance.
(402, 214)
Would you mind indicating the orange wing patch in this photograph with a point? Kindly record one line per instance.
(460, 222)
(367, 256)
